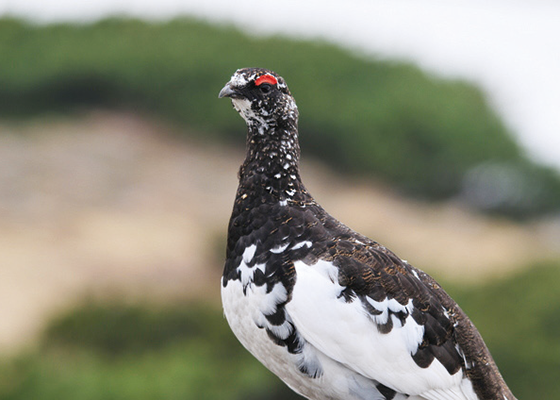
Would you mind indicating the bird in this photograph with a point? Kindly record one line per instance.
(334, 314)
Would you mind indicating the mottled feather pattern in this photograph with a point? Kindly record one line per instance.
(333, 313)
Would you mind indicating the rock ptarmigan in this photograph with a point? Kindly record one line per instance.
(333, 313)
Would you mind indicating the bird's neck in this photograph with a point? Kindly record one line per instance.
(270, 171)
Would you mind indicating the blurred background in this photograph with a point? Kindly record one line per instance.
(428, 126)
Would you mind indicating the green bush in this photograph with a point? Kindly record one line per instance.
(361, 116)
(519, 318)
(117, 352)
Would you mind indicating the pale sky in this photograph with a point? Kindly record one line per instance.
(510, 48)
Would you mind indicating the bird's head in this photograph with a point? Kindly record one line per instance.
(261, 97)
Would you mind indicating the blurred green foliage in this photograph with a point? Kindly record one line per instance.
(103, 351)
(361, 116)
(117, 352)
(519, 318)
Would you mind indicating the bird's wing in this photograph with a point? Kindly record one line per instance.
(383, 319)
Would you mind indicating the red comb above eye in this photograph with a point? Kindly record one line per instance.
(266, 79)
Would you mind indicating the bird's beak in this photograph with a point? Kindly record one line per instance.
(228, 91)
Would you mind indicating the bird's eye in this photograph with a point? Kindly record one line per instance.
(265, 87)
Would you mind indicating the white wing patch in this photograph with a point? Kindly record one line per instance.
(345, 332)
(337, 333)
(412, 334)
(249, 253)
(299, 245)
(247, 273)
(244, 313)
(280, 248)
